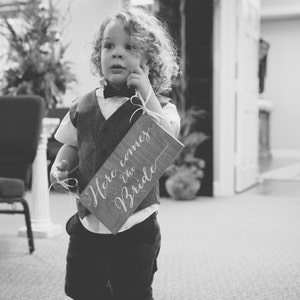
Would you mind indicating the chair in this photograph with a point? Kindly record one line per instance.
(20, 125)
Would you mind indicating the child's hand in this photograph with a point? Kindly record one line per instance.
(59, 173)
(139, 80)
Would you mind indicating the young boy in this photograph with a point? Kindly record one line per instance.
(133, 53)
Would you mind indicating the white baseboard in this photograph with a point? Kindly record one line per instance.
(286, 173)
(285, 153)
(221, 190)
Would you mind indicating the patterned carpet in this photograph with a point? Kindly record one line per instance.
(245, 247)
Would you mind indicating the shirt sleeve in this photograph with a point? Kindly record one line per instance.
(67, 132)
(171, 113)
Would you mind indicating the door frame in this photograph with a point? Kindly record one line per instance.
(247, 95)
(224, 88)
(225, 39)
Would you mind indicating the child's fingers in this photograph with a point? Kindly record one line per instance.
(57, 185)
(55, 179)
(133, 76)
(59, 176)
(145, 68)
(62, 166)
(138, 70)
(60, 171)
(132, 80)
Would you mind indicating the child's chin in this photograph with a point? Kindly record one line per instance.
(118, 80)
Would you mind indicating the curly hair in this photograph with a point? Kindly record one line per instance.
(152, 39)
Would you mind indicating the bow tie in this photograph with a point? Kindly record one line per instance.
(109, 91)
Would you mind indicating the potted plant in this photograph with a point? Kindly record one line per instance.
(185, 174)
(35, 62)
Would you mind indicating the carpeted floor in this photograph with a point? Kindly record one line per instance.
(245, 247)
(286, 173)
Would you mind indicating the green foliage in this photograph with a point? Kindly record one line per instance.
(35, 62)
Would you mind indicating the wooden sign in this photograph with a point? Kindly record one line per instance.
(130, 172)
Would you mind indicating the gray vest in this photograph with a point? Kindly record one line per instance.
(97, 138)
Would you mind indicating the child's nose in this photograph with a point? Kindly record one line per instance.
(118, 53)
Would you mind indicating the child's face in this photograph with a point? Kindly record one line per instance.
(118, 56)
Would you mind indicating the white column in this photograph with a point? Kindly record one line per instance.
(42, 225)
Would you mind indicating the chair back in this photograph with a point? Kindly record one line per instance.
(20, 125)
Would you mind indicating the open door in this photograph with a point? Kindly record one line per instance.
(247, 93)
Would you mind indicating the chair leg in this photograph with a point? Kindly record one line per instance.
(28, 225)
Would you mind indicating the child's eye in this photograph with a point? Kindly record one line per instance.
(130, 47)
(108, 45)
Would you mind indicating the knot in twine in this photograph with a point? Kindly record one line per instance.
(65, 183)
(143, 106)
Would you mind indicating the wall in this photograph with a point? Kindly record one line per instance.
(279, 8)
(282, 80)
(198, 74)
(86, 17)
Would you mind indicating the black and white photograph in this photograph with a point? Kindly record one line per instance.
(149, 150)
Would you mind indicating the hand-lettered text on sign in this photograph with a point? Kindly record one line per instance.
(130, 172)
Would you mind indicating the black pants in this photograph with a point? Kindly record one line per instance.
(106, 266)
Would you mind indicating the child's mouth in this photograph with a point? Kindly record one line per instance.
(117, 67)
